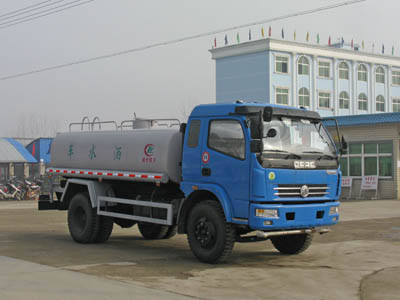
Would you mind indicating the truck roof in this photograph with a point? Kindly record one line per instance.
(224, 109)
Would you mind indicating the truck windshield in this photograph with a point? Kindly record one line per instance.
(297, 138)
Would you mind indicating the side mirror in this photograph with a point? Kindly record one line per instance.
(267, 114)
(255, 131)
(343, 144)
(256, 146)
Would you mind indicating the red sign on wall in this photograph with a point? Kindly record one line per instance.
(369, 183)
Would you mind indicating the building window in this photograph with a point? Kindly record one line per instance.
(362, 102)
(362, 73)
(303, 66)
(368, 159)
(343, 70)
(324, 69)
(344, 100)
(396, 104)
(380, 103)
(282, 96)
(281, 64)
(395, 77)
(304, 97)
(324, 99)
(380, 75)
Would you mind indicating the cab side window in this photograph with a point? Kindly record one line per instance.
(194, 132)
(226, 136)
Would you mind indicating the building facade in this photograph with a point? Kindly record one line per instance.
(333, 80)
(360, 90)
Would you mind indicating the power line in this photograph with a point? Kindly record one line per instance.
(52, 11)
(127, 51)
(25, 11)
(24, 8)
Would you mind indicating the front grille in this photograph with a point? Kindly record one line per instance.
(293, 190)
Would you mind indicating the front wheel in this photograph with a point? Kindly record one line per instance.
(292, 244)
(210, 237)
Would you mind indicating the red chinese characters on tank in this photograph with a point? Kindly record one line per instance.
(149, 151)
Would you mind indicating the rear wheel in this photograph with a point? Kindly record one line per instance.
(152, 231)
(210, 237)
(105, 229)
(83, 221)
(172, 231)
(292, 244)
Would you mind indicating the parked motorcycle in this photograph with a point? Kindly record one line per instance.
(10, 191)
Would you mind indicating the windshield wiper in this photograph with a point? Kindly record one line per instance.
(290, 155)
(324, 156)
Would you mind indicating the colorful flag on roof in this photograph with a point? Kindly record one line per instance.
(317, 38)
(262, 31)
(383, 49)
(294, 35)
(283, 34)
(362, 44)
(352, 44)
(308, 36)
(329, 41)
(269, 31)
(226, 39)
(249, 34)
(392, 50)
(215, 42)
(238, 37)
(342, 41)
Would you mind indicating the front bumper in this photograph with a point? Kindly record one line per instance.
(293, 216)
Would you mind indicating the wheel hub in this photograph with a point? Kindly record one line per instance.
(205, 233)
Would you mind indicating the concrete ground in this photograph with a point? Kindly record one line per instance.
(359, 259)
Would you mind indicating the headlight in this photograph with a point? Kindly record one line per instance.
(334, 210)
(267, 213)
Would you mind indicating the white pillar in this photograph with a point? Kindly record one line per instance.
(313, 90)
(388, 98)
(372, 82)
(335, 101)
(10, 170)
(294, 81)
(353, 94)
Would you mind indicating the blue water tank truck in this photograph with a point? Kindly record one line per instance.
(241, 172)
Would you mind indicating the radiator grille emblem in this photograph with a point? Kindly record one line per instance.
(304, 191)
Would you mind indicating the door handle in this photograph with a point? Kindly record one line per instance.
(206, 171)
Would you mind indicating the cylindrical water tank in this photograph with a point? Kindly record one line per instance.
(140, 150)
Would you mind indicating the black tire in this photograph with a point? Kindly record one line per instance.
(292, 244)
(83, 221)
(152, 231)
(210, 237)
(105, 229)
(172, 231)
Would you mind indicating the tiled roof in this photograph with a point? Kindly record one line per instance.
(13, 151)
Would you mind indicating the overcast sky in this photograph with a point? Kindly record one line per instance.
(161, 82)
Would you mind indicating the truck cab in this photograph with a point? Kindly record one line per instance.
(270, 167)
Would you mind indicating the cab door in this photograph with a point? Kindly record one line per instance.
(224, 161)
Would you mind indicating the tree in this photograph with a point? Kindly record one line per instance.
(34, 126)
